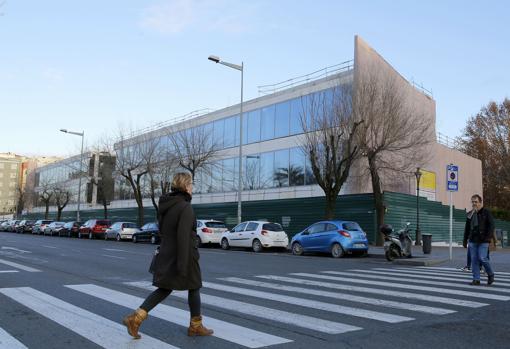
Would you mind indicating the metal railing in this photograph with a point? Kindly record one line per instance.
(447, 141)
(319, 74)
(421, 88)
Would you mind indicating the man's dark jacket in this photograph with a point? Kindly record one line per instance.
(485, 231)
(176, 266)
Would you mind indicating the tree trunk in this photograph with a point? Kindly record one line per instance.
(105, 210)
(155, 204)
(47, 210)
(378, 199)
(59, 213)
(330, 205)
(140, 216)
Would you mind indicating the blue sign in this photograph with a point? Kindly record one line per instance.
(452, 178)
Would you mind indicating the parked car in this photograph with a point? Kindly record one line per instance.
(11, 226)
(255, 234)
(209, 231)
(3, 225)
(70, 229)
(53, 228)
(25, 226)
(121, 231)
(39, 226)
(336, 237)
(148, 232)
(93, 228)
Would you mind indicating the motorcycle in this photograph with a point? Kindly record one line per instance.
(397, 246)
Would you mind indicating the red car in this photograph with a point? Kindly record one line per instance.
(94, 228)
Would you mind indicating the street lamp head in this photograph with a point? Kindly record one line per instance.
(63, 130)
(215, 59)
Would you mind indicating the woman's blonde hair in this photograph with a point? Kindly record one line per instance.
(180, 181)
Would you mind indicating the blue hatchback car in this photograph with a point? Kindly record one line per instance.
(335, 237)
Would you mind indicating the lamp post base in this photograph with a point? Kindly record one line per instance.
(418, 238)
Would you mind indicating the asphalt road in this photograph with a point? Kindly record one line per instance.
(61, 293)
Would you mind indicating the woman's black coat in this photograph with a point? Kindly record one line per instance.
(176, 266)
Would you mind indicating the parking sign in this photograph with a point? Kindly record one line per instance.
(452, 178)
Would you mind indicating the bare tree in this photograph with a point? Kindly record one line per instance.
(46, 196)
(395, 132)
(61, 197)
(160, 175)
(330, 133)
(135, 155)
(195, 149)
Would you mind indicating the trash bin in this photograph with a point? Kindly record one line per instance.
(427, 243)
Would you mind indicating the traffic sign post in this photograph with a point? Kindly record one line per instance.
(452, 184)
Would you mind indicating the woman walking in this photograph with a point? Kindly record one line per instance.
(176, 265)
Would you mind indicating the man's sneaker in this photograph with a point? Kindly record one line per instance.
(490, 280)
(475, 283)
(466, 268)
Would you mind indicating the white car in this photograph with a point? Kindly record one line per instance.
(209, 231)
(121, 231)
(255, 234)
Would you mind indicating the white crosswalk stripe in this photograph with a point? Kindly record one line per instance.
(450, 273)
(454, 269)
(378, 291)
(382, 275)
(8, 271)
(302, 321)
(224, 330)
(344, 296)
(357, 312)
(406, 286)
(9, 342)
(425, 275)
(19, 266)
(103, 332)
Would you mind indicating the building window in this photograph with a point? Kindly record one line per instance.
(282, 119)
(251, 172)
(281, 168)
(14, 166)
(231, 131)
(218, 133)
(297, 167)
(251, 128)
(266, 170)
(267, 123)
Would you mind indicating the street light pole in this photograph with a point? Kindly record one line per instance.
(418, 233)
(82, 135)
(240, 179)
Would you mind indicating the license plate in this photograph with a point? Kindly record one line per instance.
(359, 246)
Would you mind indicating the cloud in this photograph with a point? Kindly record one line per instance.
(170, 17)
(52, 75)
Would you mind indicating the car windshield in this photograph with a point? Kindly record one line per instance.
(46, 222)
(272, 227)
(129, 225)
(351, 226)
(215, 225)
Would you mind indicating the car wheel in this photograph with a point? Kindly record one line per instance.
(117, 237)
(337, 251)
(90, 236)
(79, 235)
(105, 236)
(256, 246)
(297, 249)
(134, 239)
(153, 240)
(200, 242)
(224, 244)
(69, 234)
(391, 254)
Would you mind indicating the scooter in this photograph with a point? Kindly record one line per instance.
(397, 246)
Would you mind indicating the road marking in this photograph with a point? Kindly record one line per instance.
(457, 270)
(406, 286)
(378, 291)
(460, 274)
(421, 275)
(459, 284)
(14, 249)
(95, 328)
(110, 256)
(222, 329)
(8, 271)
(303, 321)
(307, 303)
(114, 249)
(343, 296)
(9, 342)
(19, 266)
(48, 246)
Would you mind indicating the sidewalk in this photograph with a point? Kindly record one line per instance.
(440, 256)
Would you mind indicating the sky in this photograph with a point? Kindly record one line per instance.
(96, 65)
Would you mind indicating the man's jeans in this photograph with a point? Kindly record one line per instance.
(479, 254)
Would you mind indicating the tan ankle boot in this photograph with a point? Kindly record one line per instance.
(133, 322)
(197, 329)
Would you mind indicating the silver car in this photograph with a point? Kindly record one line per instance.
(121, 231)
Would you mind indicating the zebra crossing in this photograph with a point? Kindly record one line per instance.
(327, 304)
